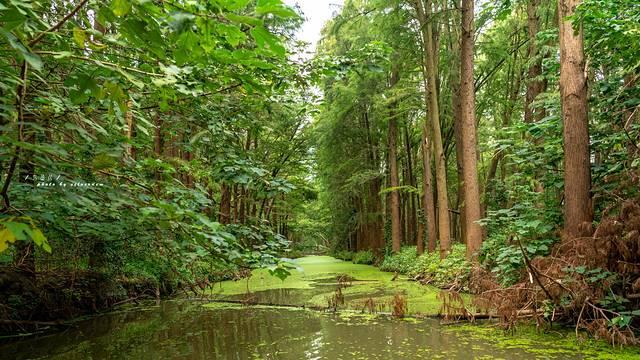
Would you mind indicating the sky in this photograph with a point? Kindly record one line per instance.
(316, 13)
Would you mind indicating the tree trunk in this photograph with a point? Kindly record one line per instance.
(225, 204)
(427, 191)
(131, 130)
(411, 197)
(535, 85)
(235, 204)
(157, 136)
(396, 230)
(242, 211)
(573, 94)
(375, 203)
(472, 207)
(454, 85)
(424, 18)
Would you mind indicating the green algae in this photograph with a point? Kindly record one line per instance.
(314, 283)
(544, 343)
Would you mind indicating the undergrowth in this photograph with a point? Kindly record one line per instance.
(363, 257)
(429, 269)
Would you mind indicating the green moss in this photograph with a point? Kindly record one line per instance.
(545, 343)
(314, 270)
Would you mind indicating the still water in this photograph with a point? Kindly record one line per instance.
(189, 330)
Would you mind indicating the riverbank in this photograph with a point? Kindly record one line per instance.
(34, 303)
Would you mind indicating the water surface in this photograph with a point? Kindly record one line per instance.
(188, 330)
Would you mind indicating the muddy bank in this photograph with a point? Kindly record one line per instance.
(32, 303)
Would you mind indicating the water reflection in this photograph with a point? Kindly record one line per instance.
(186, 330)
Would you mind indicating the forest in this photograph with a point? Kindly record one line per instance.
(456, 160)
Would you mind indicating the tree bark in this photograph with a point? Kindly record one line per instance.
(411, 197)
(374, 201)
(225, 204)
(573, 94)
(535, 86)
(454, 86)
(472, 207)
(428, 205)
(396, 230)
(430, 52)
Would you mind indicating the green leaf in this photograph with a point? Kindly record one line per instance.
(275, 7)
(12, 19)
(267, 41)
(181, 21)
(103, 161)
(241, 19)
(279, 272)
(20, 231)
(120, 7)
(31, 58)
(39, 238)
(79, 36)
(234, 5)
(232, 34)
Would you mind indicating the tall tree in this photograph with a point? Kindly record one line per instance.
(535, 85)
(472, 208)
(425, 20)
(573, 93)
(428, 205)
(396, 225)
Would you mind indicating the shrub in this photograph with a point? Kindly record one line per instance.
(363, 257)
(343, 255)
(402, 262)
(505, 259)
(454, 270)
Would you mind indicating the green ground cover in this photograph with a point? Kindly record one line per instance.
(316, 279)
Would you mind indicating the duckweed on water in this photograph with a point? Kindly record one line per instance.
(548, 343)
(315, 282)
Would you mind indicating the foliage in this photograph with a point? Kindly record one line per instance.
(344, 255)
(403, 262)
(365, 257)
(428, 268)
(453, 271)
(23, 229)
(123, 122)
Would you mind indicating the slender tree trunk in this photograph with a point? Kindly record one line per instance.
(472, 207)
(428, 205)
(573, 93)
(235, 204)
(131, 130)
(420, 235)
(225, 204)
(396, 225)
(535, 86)
(630, 117)
(375, 202)
(454, 85)
(242, 211)
(157, 136)
(430, 52)
(411, 198)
